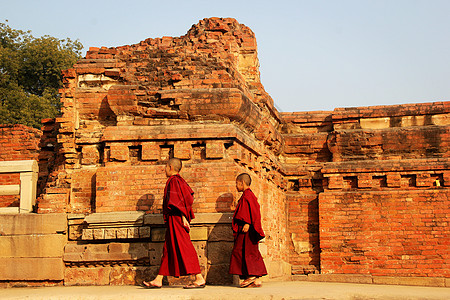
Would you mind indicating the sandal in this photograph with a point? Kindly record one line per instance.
(254, 285)
(248, 282)
(194, 286)
(149, 285)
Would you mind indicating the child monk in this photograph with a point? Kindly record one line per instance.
(179, 257)
(246, 260)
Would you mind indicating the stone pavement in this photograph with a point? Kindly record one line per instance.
(270, 290)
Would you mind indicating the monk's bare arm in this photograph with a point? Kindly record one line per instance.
(185, 222)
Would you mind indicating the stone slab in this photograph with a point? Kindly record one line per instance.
(419, 281)
(221, 233)
(32, 245)
(278, 269)
(18, 166)
(199, 233)
(11, 189)
(9, 210)
(32, 224)
(347, 278)
(154, 219)
(213, 218)
(87, 276)
(136, 217)
(31, 269)
(158, 234)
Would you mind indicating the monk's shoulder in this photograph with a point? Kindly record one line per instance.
(250, 195)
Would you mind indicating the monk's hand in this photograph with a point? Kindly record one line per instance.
(246, 227)
(186, 223)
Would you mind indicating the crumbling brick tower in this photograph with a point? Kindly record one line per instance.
(198, 97)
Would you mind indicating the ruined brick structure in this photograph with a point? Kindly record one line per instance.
(359, 191)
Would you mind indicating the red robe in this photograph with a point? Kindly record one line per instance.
(246, 260)
(179, 256)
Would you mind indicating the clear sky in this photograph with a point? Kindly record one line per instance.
(314, 55)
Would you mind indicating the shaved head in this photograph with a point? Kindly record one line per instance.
(175, 163)
(245, 178)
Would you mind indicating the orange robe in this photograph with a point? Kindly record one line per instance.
(179, 256)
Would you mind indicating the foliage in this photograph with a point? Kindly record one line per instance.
(30, 75)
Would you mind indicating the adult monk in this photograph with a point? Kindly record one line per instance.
(246, 260)
(179, 257)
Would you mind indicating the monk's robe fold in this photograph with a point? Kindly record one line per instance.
(246, 260)
(179, 256)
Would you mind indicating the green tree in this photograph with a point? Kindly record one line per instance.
(30, 75)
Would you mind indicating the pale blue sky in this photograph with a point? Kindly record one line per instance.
(314, 55)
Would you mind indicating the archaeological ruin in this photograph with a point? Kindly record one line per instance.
(350, 195)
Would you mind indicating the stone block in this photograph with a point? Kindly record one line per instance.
(212, 218)
(133, 232)
(201, 249)
(219, 275)
(87, 276)
(219, 252)
(144, 232)
(199, 233)
(126, 217)
(374, 123)
(347, 278)
(75, 232)
(129, 275)
(221, 233)
(158, 234)
(155, 252)
(110, 233)
(122, 233)
(32, 224)
(88, 234)
(155, 219)
(299, 277)
(32, 245)
(99, 234)
(36, 268)
(418, 281)
(278, 269)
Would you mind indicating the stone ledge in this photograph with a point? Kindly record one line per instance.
(26, 224)
(126, 217)
(370, 279)
(32, 245)
(18, 166)
(420, 281)
(31, 269)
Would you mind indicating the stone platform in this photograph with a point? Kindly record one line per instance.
(270, 290)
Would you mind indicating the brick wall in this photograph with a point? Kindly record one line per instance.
(18, 142)
(385, 233)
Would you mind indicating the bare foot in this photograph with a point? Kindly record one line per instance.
(155, 283)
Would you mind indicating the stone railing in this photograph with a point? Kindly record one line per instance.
(28, 170)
